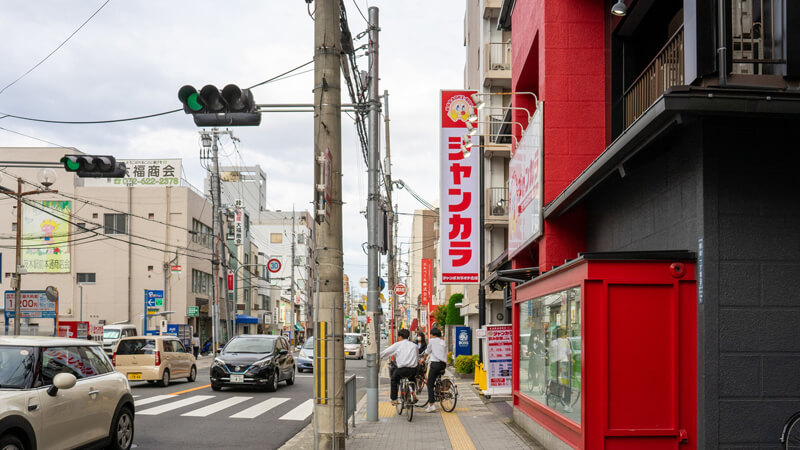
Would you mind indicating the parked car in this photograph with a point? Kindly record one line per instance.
(254, 360)
(154, 358)
(305, 361)
(113, 333)
(354, 345)
(61, 393)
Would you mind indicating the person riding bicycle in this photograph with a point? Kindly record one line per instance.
(407, 360)
(437, 350)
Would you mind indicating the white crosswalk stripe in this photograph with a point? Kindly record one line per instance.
(146, 401)
(255, 411)
(219, 406)
(301, 412)
(174, 405)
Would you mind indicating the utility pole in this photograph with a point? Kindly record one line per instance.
(217, 238)
(391, 254)
(373, 199)
(291, 289)
(329, 418)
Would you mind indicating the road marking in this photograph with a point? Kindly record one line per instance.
(157, 398)
(255, 411)
(192, 389)
(219, 406)
(301, 412)
(174, 405)
(459, 439)
(136, 396)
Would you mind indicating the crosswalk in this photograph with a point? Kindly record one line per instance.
(205, 405)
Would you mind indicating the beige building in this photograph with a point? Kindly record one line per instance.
(118, 242)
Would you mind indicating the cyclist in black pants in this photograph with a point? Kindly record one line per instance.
(437, 350)
(406, 358)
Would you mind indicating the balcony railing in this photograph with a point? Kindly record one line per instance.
(498, 56)
(665, 71)
(496, 203)
(495, 124)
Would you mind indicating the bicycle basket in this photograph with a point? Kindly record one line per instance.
(444, 384)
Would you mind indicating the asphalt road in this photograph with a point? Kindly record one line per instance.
(191, 416)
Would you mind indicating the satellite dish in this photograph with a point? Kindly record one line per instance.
(51, 293)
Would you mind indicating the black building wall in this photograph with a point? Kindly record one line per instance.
(735, 184)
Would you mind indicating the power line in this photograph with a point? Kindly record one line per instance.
(56, 49)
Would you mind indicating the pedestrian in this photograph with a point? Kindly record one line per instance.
(196, 345)
(407, 359)
(437, 351)
(561, 356)
(422, 343)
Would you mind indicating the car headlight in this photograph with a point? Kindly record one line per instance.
(262, 363)
(219, 363)
(303, 354)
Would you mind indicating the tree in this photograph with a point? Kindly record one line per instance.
(454, 316)
(440, 315)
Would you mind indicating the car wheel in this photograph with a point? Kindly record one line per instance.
(290, 381)
(216, 387)
(273, 386)
(10, 442)
(301, 370)
(122, 430)
(165, 378)
(192, 374)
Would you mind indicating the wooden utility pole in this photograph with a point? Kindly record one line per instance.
(329, 418)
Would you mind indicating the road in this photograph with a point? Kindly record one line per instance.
(191, 416)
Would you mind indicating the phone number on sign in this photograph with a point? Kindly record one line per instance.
(134, 181)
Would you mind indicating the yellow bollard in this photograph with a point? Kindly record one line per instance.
(483, 384)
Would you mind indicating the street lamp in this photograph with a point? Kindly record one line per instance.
(619, 9)
(47, 177)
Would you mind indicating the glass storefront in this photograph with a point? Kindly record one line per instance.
(550, 351)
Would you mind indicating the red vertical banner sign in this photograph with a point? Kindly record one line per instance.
(460, 199)
(427, 280)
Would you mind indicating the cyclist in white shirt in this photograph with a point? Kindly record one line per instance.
(437, 351)
(407, 359)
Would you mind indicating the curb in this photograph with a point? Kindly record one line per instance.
(304, 439)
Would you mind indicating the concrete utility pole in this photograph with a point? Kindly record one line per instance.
(291, 289)
(391, 255)
(373, 199)
(329, 417)
(217, 234)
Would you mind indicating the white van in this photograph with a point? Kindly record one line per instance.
(113, 333)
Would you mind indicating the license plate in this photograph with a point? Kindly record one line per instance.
(350, 353)
(134, 376)
(237, 378)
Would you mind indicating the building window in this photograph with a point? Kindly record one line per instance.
(201, 282)
(115, 224)
(94, 215)
(13, 226)
(149, 268)
(275, 238)
(86, 278)
(301, 239)
(550, 351)
(202, 234)
(151, 216)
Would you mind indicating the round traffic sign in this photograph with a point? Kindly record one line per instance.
(273, 265)
(400, 289)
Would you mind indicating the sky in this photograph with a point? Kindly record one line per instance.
(130, 59)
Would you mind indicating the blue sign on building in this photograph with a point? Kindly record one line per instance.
(463, 342)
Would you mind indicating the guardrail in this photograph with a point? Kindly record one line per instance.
(350, 402)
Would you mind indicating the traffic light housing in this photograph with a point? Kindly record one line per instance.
(94, 166)
(211, 107)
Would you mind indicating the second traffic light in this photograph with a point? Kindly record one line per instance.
(211, 107)
(94, 166)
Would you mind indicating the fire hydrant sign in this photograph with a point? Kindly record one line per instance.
(499, 343)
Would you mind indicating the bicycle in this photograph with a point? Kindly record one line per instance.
(406, 398)
(790, 436)
(446, 393)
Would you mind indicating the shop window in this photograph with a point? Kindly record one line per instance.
(550, 351)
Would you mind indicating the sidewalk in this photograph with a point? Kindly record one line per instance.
(472, 425)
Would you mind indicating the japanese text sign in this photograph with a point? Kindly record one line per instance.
(141, 172)
(525, 187)
(427, 280)
(460, 182)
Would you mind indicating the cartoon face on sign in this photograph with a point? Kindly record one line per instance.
(459, 108)
(48, 227)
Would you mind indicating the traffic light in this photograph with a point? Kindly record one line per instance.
(94, 166)
(231, 107)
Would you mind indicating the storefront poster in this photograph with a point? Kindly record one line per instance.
(45, 236)
(525, 188)
(460, 196)
(499, 344)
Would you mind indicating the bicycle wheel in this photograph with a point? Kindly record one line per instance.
(400, 400)
(448, 396)
(410, 411)
(790, 438)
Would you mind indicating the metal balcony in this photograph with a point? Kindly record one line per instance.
(496, 202)
(497, 64)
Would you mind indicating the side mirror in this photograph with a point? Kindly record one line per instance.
(61, 381)
(284, 352)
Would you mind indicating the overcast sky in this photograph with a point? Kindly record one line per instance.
(130, 59)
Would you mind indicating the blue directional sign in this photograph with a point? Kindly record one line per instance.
(153, 298)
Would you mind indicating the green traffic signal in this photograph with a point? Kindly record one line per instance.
(194, 105)
(70, 164)
(190, 99)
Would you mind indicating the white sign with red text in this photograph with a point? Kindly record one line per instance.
(460, 196)
(499, 355)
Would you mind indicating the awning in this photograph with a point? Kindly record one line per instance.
(241, 318)
(297, 327)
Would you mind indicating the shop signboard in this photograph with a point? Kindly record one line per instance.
(192, 311)
(463, 342)
(525, 187)
(427, 280)
(142, 173)
(498, 350)
(238, 226)
(33, 305)
(460, 196)
(45, 236)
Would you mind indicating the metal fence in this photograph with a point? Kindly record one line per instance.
(665, 71)
(350, 402)
(497, 205)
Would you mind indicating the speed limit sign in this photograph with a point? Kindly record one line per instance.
(400, 289)
(273, 265)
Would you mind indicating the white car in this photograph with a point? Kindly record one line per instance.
(58, 393)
